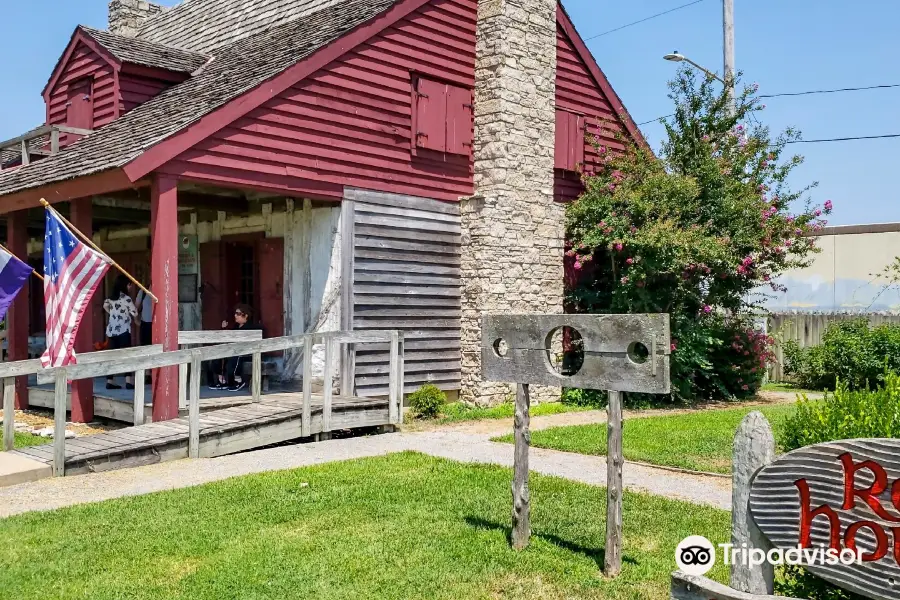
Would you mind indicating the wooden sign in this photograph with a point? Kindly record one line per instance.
(843, 496)
(515, 349)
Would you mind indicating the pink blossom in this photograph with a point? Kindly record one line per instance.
(788, 243)
(612, 214)
(798, 231)
(790, 219)
(765, 277)
(577, 266)
(745, 387)
(706, 138)
(629, 261)
(611, 187)
(707, 308)
(624, 280)
(817, 212)
(674, 346)
(828, 206)
(601, 149)
(633, 229)
(741, 269)
(747, 261)
(619, 247)
(763, 107)
(618, 175)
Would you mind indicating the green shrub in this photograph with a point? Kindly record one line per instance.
(846, 414)
(598, 399)
(851, 352)
(427, 401)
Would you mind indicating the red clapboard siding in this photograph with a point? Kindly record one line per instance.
(350, 123)
(84, 63)
(577, 91)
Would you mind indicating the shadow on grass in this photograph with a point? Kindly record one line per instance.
(598, 555)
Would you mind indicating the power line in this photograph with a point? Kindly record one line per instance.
(644, 19)
(807, 93)
(846, 139)
(850, 89)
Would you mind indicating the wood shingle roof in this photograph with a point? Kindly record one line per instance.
(149, 54)
(205, 25)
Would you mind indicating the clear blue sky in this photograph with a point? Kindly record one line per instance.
(789, 46)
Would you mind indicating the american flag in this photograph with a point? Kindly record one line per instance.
(72, 272)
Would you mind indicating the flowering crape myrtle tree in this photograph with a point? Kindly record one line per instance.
(694, 232)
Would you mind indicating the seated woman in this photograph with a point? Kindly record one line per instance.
(229, 375)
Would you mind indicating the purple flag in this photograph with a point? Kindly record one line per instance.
(13, 276)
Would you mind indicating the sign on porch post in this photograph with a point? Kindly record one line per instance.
(837, 506)
(617, 353)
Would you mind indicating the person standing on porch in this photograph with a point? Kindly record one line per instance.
(231, 368)
(121, 310)
(145, 306)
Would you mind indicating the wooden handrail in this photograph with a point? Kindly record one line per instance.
(139, 360)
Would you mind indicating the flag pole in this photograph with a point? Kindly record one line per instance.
(33, 271)
(91, 243)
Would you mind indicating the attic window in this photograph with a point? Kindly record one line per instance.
(569, 155)
(442, 117)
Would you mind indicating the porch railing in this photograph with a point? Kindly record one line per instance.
(42, 141)
(106, 364)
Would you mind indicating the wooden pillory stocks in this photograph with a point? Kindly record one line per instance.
(621, 353)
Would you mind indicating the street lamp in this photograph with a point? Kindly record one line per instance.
(676, 57)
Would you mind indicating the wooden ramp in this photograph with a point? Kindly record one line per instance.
(276, 418)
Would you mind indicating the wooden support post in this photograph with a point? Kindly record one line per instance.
(306, 424)
(9, 413)
(256, 377)
(327, 386)
(348, 351)
(194, 411)
(164, 275)
(18, 320)
(754, 448)
(26, 157)
(182, 387)
(83, 390)
(60, 395)
(393, 379)
(139, 388)
(54, 141)
(521, 511)
(612, 562)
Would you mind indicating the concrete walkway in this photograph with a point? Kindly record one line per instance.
(468, 442)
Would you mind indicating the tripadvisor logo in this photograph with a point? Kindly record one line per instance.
(696, 555)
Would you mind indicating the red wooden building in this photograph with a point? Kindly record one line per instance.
(305, 158)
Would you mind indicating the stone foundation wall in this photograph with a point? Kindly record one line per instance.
(512, 230)
(127, 16)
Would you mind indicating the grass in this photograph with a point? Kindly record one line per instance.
(401, 526)
(26, 439)
(698, 441)
(457, 411)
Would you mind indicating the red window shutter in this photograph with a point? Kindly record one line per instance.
(459, 120)
(431, 115)
(569, 151)
(578, 141)
(561, 153)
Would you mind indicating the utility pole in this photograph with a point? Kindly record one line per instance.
(728, 46)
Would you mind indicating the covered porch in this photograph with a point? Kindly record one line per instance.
(201, 249)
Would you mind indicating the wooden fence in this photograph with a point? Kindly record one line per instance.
(807, 329)
(139, 360)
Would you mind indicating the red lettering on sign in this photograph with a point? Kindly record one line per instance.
(869, 494)
(807, 516)
(880, 537)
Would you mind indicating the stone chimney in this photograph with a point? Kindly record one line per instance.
(127, 16)
(512, 230)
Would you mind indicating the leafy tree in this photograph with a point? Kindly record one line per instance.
(694, 232)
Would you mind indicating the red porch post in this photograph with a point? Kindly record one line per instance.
(164, 284)
(18, 318)
(83, 390)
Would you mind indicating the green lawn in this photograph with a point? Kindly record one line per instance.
(786, 386)
(699, 441)
(457, 411)
(27, 439)
(402, 526)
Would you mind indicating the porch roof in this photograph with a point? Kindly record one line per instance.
(234, 70)
(148, 54)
